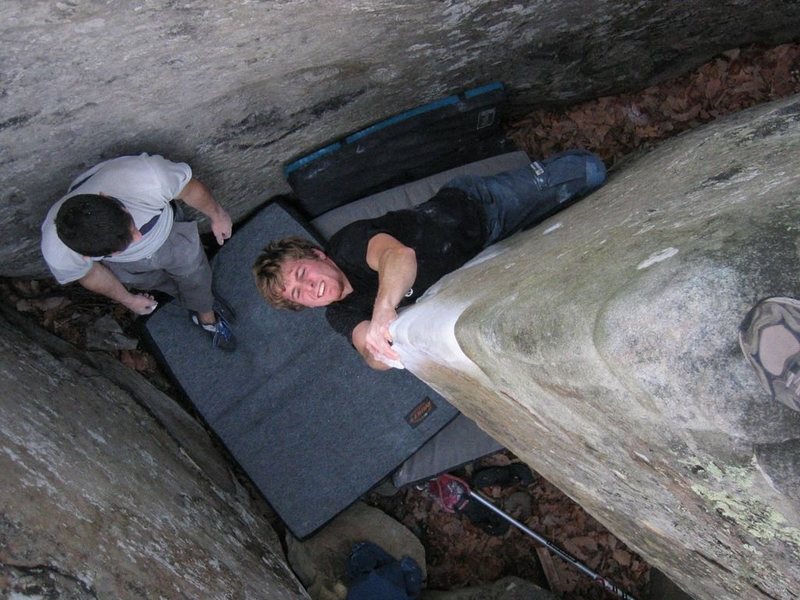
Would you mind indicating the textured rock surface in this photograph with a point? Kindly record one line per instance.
(601, 347)
(508, 588)
(236, 88)
(97, 501)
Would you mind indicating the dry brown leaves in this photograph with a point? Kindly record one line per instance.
(48, 304)
(617, 125)
(460, 554)
(69, 312)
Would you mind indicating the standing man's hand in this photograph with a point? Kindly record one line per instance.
(141, 304)
(101, 280)
(221, 225)
(199, 197)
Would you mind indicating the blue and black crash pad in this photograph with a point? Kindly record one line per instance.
(427, 139)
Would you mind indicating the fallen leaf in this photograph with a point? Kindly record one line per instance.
(623, 557)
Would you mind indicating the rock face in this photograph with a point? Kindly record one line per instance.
(601, 347)
(508, 588)
(238, 88)
(97, 501)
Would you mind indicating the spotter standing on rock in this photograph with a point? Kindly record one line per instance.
(373, 267)
(116, 228)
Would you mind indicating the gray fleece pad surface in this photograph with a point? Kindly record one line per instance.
(312, 426)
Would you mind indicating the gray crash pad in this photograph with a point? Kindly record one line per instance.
(307, 420)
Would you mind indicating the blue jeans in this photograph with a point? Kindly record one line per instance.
(519, 199)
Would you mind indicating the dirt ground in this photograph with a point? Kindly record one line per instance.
(460, 553)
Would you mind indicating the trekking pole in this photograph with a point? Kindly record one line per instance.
(458, 487)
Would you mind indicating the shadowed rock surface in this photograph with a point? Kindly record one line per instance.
(601, 348)
(508, 588)
(98, 501)
(238, 88)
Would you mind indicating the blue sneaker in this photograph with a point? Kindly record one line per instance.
(225, 310)
(570, 174)
(221, 335)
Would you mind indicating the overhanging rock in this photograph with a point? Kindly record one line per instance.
(238, 88)
(601, 347)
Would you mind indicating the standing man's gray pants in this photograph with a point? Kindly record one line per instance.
(179, 268)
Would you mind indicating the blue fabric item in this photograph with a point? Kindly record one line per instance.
(375, 574)
(518, 199)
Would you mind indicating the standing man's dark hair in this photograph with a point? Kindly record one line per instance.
(116, 233)
(94, 225)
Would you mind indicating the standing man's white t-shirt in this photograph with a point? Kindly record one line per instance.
(144, 184)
